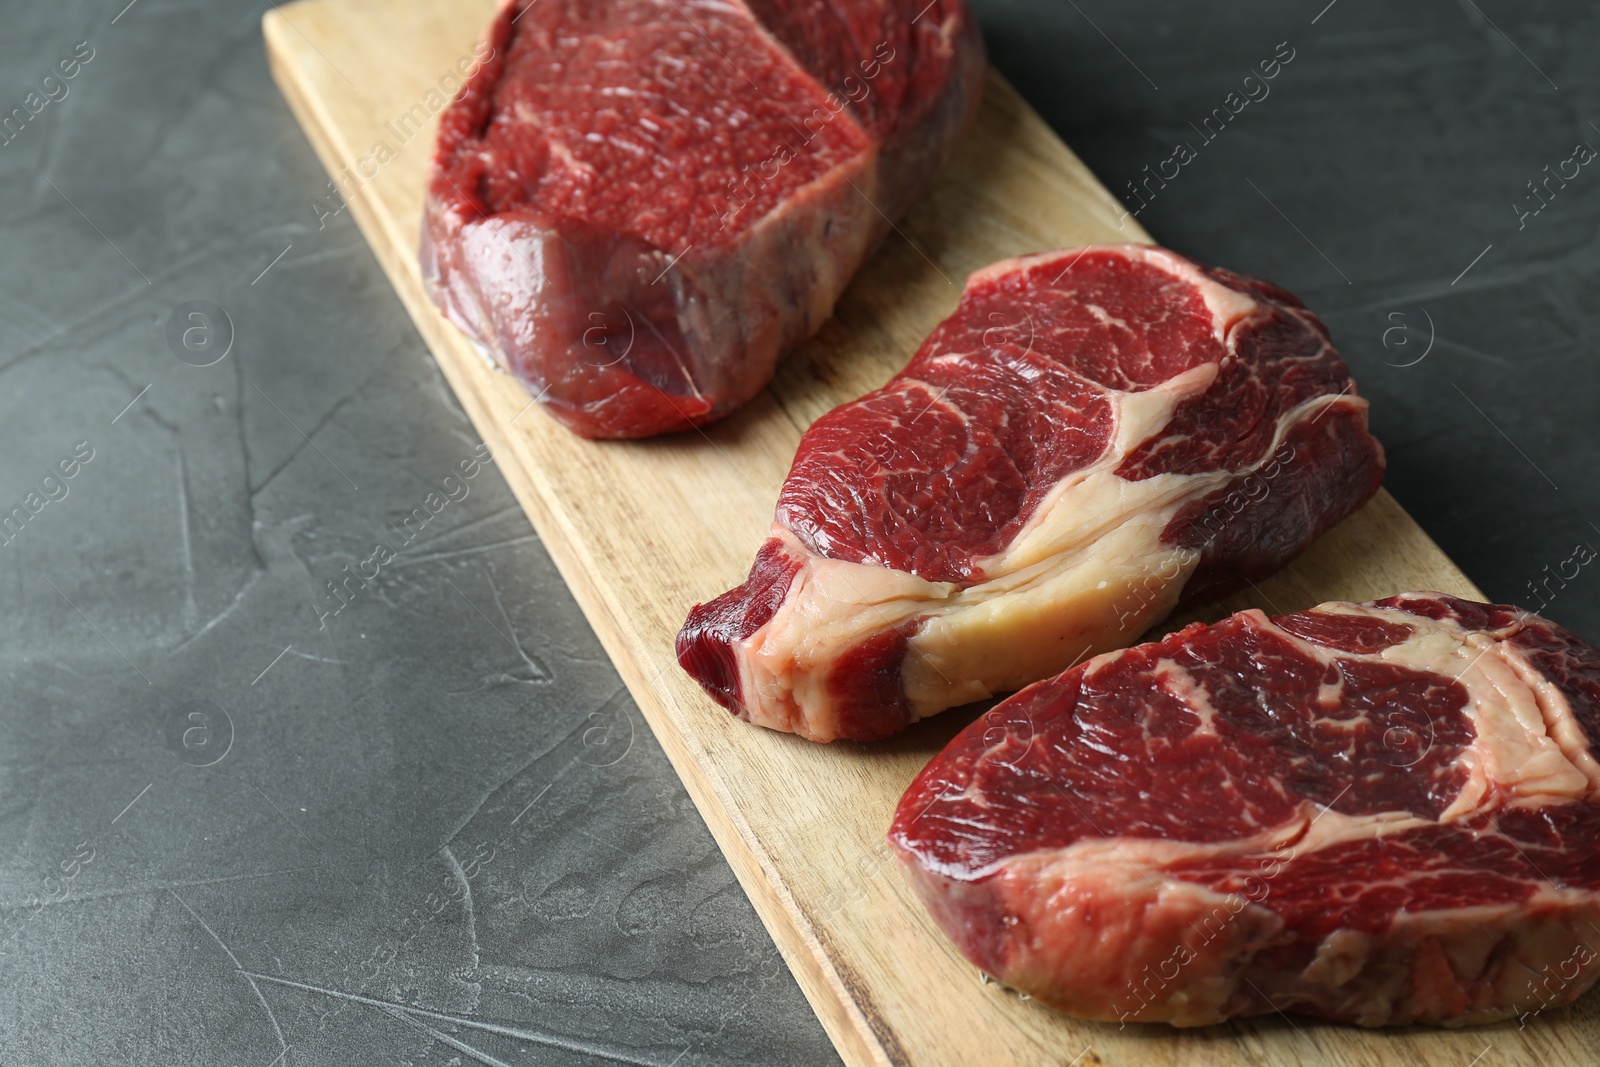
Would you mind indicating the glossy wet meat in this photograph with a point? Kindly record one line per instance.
(1094, 437)
(1379, 814)
(638, 206)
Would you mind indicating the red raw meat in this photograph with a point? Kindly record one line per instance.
(638, 206)
(1093, 438)
(1376, 813)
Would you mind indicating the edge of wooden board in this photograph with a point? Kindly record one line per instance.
(843, 1002)
(827, 992)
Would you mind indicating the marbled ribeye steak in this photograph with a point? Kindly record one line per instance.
(1093, 438)
(638, 206)
(1377, 813)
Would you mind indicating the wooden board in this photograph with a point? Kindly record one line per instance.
(643, 530)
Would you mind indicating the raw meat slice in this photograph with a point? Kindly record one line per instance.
(1377, 813)
(638, 206)
(1093, 438)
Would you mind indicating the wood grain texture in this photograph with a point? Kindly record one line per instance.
(642, 530)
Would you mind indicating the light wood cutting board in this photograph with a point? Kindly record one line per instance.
(643, 530)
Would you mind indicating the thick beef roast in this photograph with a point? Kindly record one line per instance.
(638, 206)
(1094, 437)
(1377, 813)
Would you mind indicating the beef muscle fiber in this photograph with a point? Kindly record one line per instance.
(1376, 813)
(1094, 437)
(638, 206)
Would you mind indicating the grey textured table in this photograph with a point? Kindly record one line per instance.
(432, 829)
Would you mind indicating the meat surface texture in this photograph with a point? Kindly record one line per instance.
(1377, 813)
(1093, 438)
(638, 206)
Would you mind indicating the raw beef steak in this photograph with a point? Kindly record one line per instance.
(638, 206)
(1093, 438)
(1377, 813)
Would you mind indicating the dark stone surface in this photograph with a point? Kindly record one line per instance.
(433, 826)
